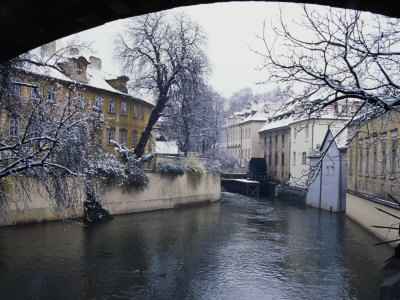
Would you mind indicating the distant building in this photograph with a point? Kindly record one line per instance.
(290, 136)
(241, 134)
(327, 174)
(275, 139)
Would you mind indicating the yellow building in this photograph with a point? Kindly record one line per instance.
(373, 174)
(125, 115)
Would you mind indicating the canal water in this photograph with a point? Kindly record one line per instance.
(238, 248)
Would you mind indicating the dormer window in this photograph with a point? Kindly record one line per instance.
(79, 68)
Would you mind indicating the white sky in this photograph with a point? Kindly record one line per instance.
(230, 29)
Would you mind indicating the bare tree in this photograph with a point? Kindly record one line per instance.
(44, 137)
(157, 50)
(335, 54)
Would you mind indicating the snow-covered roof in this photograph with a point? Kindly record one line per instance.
(260, 116)
(96, 78)
(167, 148)
(341, 139)
(279, 123)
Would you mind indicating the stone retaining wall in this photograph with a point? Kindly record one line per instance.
(163, 192)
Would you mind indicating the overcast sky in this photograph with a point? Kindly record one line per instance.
(230, 29)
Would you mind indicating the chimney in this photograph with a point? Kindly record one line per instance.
(74, 51)
(50, 47)
(95, 62)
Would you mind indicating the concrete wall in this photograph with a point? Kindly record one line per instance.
(163, 192)
(364, 212)
(38, 207)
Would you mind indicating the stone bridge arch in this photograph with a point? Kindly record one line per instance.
(26, 24)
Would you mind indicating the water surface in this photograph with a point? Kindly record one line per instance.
(239, 248)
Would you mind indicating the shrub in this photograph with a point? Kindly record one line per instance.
(171, 168)
(194, 169)
(218, 160)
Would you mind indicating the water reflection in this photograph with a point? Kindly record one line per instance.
(239, 248)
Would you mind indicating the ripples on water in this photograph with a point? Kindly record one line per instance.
(239, 248)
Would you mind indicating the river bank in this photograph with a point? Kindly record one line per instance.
(163, 192)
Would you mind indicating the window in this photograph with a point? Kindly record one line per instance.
(13, 127)
(367, 146)
(283, 159)
(111, 136)
(294, 158)
(111, 105)
(276, 158)
(249, 132)
(374, 156)
(360, 152)
(331, 170)
(135, 110)
(393, 154)
(98, 102)
(35, 91)
(79, 68)
(303, 158)
(142, 113)
(383, 154)
(295, 133)
(123, 108)
(269, 159)
(51, 93)
(79, 99)
(350, 167)
(283, 140)
(122, 137)
(134, 138)
(265, 141)
(15, 88)
(276, 142)
(306, 133)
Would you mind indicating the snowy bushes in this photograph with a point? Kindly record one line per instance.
(171, 168)
(217, 161)
(190, 166)
(123, 169)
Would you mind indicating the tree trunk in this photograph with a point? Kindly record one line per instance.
(154, 116)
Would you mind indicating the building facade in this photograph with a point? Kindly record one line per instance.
(125, 115)
(373, 175)
(307, 136)
(242, 132)
(327, 175)
(275, 138)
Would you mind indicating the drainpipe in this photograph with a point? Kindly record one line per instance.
(312, 136)
(340, 180)
(320, 184)
(240, 150)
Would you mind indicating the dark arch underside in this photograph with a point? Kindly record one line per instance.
(26, 24)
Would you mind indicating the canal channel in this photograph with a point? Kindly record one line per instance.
(238, 248)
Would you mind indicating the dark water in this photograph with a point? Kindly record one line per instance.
(239, 248)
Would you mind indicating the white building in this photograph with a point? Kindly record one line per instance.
(242, 131)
